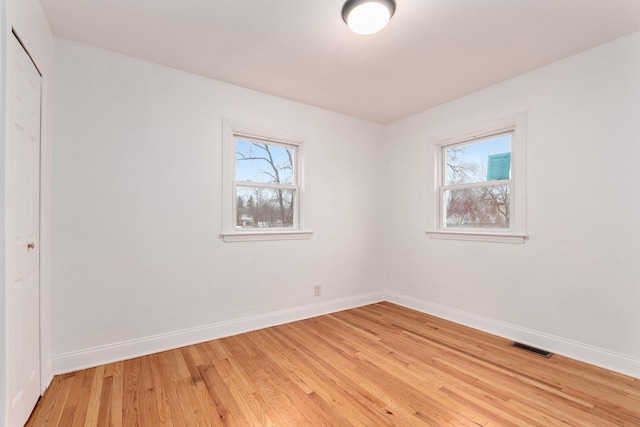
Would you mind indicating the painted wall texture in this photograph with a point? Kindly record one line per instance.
(137, 207)
(137, 204)
(576, 278)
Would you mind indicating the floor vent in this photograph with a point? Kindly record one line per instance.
(541, 352)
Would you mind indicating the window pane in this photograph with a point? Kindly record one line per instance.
(477, 207)
(481, 161)
(264, 207)
(261, 162)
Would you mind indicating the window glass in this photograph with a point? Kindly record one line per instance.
(485, 160)
(477, 183)
(258, 207)
(262, 162)
(265, 184)
(484, 207)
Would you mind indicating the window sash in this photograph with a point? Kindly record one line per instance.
(479, 137)
(493, 183)
(264, 185)
(294, 188)
(443, 187)
(281, 142)
(268, 141)
(295, 206)
(468, 140)
(443, 207)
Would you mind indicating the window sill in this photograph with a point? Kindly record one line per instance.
(256, 236)
(478, 236)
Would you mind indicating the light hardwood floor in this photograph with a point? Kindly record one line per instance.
(379, 365)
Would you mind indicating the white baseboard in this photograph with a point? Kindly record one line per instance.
(91, 357)
(73, 361)
(617, 362)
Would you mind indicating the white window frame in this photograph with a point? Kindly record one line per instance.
(516, 233)
(233, 129)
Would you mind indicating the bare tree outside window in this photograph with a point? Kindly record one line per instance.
(476, 191)
(265, 184)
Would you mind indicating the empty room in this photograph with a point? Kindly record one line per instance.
(320, 212)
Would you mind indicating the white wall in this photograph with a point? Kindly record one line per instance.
(27, 19)
(574, 287)
(138, 262)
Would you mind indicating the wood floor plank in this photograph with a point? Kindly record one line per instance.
(168, 382)
(106, 399)
(320, 380)
(82, 397)
(218, 380)
(49, 413)
(338, 383)
(206, 407)
(132, 406)
(93, 409)
(71, 403)
(378, 365)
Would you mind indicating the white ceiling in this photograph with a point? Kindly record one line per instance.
(431, 52)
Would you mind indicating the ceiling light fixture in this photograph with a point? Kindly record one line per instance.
(367, 16)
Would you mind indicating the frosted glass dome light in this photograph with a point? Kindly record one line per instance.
(368, 16)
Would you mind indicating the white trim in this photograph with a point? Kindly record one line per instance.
(494, 131)
(478, 236)
(516, 125)
(494, 183)
(469, 132)
(269, 136)
(254, 236)
(618, 362)
(254, 184)
(230, 130)
(73, 361)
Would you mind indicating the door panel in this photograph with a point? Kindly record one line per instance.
(22, 234)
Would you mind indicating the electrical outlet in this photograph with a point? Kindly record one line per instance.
(317, 290)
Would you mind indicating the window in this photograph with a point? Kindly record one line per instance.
(480, 184)
(477, 180)
(265, 184)
(263, 192)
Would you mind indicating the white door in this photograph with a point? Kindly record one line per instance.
(22, 213)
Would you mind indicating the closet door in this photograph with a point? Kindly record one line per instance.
(22, 226)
